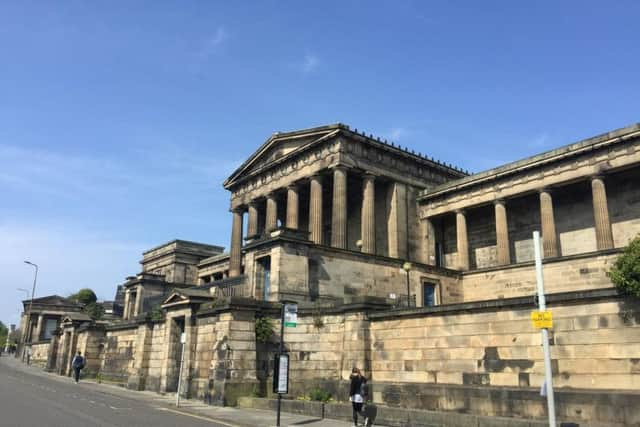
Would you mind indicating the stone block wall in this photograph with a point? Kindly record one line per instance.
(39, 353)
(594, 346)
(119, 353)
(156, 357)
(560, 275)
(343, 276)
(199, 385)
(90, 343)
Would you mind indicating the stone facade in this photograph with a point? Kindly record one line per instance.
(416, 272)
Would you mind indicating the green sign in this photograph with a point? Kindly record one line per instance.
(290, 315)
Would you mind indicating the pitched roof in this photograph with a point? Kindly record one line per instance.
(55, 300)
(284, 145)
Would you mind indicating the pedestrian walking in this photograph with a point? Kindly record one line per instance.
(358, 395)
(77, 364)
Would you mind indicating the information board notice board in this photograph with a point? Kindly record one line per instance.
(281, 374)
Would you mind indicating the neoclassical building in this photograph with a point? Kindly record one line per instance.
(412, 269)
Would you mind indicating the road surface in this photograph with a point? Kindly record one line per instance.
(29, 398)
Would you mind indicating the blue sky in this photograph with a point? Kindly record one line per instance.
(120, 120)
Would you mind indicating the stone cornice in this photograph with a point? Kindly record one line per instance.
(535, 162)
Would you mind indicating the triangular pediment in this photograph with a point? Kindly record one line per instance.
(175, 298)
(279, 147)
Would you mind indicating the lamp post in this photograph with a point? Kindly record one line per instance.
(28, 325)
(407, 267)
(359, 244)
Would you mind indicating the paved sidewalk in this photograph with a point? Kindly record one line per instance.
(231, 417)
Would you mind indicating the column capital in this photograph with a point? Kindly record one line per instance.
(460, 212)
(548, 190)
(295, 186)
(338, 166)
(500, 201)
(597, 177)
(238, 209)
(316, 176)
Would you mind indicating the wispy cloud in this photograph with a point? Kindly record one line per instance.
(540, 141)
(397, 133)
(212, 44)
(69, 258)
(310, 63)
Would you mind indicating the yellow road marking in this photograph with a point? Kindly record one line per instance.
(211, 420)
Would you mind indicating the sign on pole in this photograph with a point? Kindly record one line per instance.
(545, 321)
(290, 315)
(542, 319)
(281, 374)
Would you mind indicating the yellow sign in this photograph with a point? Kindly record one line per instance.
(542, 319)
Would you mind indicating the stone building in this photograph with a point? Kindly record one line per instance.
(414, 270)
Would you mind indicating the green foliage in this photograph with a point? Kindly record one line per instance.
(264, 329)
(625, 273)
(3, 334)
(94, 310)
(319, 395)
(157, 313)
(99, 378)
(84, 296)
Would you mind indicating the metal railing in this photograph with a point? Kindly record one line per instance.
(230, 287)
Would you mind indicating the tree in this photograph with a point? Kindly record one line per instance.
(3, 334)
(84, 296)
(625, 273)
(88, 299)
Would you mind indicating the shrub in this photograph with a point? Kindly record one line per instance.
(625, 273)
(319, 395)
(84, 296)
(264, 329)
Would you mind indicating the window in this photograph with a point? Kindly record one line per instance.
(49, 326)
(428, 294)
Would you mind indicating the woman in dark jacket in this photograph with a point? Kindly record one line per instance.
(357, 395)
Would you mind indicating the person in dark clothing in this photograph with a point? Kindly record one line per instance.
(77, 364)
(358, 395)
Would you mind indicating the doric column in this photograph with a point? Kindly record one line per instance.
(292, 207)
(315, 210)
(235, 252)
(38, 331)
(127, 303)
(137, 310)
(429, 242)
(339, 213)
(252, 224)
(502, 233)
(462, 241)
(368, 215)
(604, 236)
(548, 225)
(271, 221)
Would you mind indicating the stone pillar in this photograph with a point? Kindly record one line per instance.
(368, 215)
(604, 235)
(339, 213)
(502, 233)
(271, 221)
(429, 242)
(462, 240)
(252, 225)
(397, 221)
(125, 310)
(137, 308)
(235, 255)
(548, 225)
(315, 210)
(292, 207)
(38, 331)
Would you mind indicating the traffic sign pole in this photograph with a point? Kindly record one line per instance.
(542, 306)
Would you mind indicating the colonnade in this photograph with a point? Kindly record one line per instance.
(339, 214)
(604, 235)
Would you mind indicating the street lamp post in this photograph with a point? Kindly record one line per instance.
(28, 325)
(407, 267)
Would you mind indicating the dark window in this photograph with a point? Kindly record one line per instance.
(428, 294)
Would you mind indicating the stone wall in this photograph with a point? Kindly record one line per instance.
(39, 353)
(581, 272)
(119, 353)
(90, 343)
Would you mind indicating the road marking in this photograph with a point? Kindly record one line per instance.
(211, 420)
